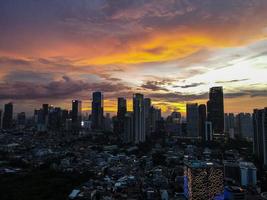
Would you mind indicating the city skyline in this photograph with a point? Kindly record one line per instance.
(170, 51)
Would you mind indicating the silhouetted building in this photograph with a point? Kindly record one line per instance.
(128, 134)
(260, 134)
(139, 118)
(21, 120)
(147, 110)
(192, 118)
(155, 118)
(97, 111)
(121, 111)
(208, 131)
(76, 114)
(244, 125)
(202, 119)
(215, 108)
(229, 124)
(8, 116)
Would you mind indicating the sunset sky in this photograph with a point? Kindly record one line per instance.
(172, 51)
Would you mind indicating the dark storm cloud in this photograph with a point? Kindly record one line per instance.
(58, 89)
(177, 96)
(154, 86)
(28, 76)
(191, 85)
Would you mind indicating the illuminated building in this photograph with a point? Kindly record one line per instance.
(203, 180)
(215, 108)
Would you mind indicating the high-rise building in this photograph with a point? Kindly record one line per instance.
(8, 116)
(139, 118)
(121, 111)
(128, 134)
(240, 173)
(215, 108)
(203, 180)
(208, 132)
(229, 124)
(97, 111)
(244, 125)
(122, 108)
(21, 120)
(155, 117)
(192, 118)
(76, 114)
(260, 134)
(202, 113)
(147, 110)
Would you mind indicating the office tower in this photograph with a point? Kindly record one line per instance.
(107, 123)
(55, 118)
(139, 118)
(244, 125)
(155, 117)
(192, 118)
(121, 111)
(208, 132)
(215, 108)
(147, 110)
(203, 180)
(122, 108)
(97, 111)
(260, 134)
(240, 173)
(234, 193)
(248, 174)
(202, 119)
(8, 116)
(45, 114)
(76, 114)
(128, 134)
(21, 120)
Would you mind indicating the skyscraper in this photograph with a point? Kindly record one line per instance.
(139, 118)
(215, 109)
(202, 119)
(147, 110)
(8, 116)
(76, 114)
(244, 125)
(192, 118)
(97, 111)
(121, 111)
(122, 108)
(260, 134)
(128, 136)
(203, 180)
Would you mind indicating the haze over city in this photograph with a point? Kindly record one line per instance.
(171, 51)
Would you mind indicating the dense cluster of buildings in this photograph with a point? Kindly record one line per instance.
(109, 148)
